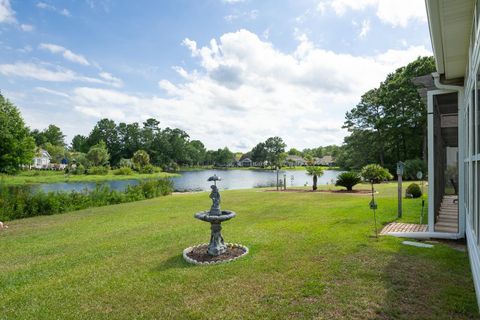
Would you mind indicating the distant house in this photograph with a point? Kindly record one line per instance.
(326, 161)
(41, 160)
(295, 161)
(247, 162)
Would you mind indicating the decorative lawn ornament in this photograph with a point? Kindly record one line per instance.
(374, 207)
(217, 251)
(420, 177)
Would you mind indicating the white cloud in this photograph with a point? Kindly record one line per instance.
(7, 15)
(46, 6)
(247, 90)
(395, 13)
(52, 92)
(365, 28)
(116, 82)
(232, 1)
(248, 15)
(57, 74)
(26, 27)
(67, 54)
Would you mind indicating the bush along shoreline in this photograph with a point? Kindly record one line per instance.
(21, 202)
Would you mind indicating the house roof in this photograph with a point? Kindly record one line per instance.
(295, 158)
(43, 153)
(246, 160)
(450, 23)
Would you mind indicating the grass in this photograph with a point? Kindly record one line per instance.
(312, 255)
(35, 177)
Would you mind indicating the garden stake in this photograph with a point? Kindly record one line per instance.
(373, 206)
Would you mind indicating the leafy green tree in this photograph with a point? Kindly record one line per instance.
(315, 172)
(259, 153)
(140, 159)
(52, 135)
(58, 153)
(222, 157)
(79, 143)
(275, 148)
(375, 173)
(106, 130)
(98, 155)
(196, 152)
(389, 123)
(16, 144)
(294, 152)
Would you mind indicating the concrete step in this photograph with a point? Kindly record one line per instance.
(448, 213)
(446, 229)
(447, 218)
(446, 225)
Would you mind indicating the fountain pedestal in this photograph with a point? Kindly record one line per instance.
(217, 244)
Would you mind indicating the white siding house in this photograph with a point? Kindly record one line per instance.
(454, 125)
(41, 159)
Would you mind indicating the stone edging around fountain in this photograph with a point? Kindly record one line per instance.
(229, 245)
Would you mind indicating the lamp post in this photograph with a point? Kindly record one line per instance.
(284, 181)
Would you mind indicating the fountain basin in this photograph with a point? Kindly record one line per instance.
(208, 217)
(198, 254)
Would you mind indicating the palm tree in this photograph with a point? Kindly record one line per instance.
(315, 172)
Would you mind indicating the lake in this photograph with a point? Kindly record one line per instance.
(197, 180)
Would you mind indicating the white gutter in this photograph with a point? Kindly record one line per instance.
(439, 85)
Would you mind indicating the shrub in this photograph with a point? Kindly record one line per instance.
(149, 169)
(413, 191)
(412, 167)
(79, 169)
(140, 159)
(375, 173)
(21, 202)
(98, 154)
(99, 170)
(348, 180)
(171, 167)
(123, 171)
(125, 163)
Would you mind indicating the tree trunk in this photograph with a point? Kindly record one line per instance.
(315, 182)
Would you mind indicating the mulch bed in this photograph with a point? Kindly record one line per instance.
(200, 254)
(361, 191)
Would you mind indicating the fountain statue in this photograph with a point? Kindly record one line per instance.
(217, 250)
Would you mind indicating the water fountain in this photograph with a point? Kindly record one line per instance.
(217, 251)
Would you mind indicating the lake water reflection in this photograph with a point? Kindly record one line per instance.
(197, 180)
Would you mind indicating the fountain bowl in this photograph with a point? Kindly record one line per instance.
(208, 217)
(198, 254)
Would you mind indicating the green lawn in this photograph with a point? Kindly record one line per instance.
(32, 177)
(312, 255)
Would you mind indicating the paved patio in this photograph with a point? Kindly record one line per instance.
(403, 227)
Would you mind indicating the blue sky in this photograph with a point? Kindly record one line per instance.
(229, 72)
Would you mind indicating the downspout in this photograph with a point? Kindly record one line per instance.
(461, 216)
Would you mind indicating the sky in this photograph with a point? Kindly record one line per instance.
(228, 72)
